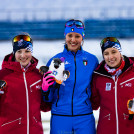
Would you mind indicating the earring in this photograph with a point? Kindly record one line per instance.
(82, 42)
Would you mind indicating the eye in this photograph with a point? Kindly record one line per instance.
(105, 53)
(70, 35)
(113, 52)
(27, 51)
(77, 36)
(18, 51)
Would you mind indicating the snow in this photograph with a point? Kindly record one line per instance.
(43, 50)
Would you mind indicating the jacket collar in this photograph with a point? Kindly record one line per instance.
(129, 61)
(79, 52)
(9, 63)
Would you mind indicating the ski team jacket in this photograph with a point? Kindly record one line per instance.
(20, 105)
(72, 97)
(112, 96)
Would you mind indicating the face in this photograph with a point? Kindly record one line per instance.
(23, 56)
(73, 41)
(112, 57)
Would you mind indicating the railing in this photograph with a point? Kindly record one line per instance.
(66, 13)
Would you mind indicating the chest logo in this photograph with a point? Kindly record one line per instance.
(84, 62)
(128, 85)
(108, 86)
(67, 63)
(38, 87)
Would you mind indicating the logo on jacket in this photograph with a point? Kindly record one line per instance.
(67, 63)
(84, 62)
(128, 85)
(108, 86)
(72, 29)
(38, 87)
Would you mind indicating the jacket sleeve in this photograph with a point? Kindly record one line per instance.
(48, 95)
(45, 106)
(95, 97)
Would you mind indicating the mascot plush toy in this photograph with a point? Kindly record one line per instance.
(3, 84)
(130, 105)
(57, 67)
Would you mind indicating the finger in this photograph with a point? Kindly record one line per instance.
(49, 77)
(51, 82)
(47, 73)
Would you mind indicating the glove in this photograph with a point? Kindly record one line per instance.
(48, 80)
(130, 105)
(2, 86)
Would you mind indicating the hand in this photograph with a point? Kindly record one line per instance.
(2, 86)
(48, 80)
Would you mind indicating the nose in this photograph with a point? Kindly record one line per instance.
(110, 56)
(56, 66)
(22, 54)
(73, 39)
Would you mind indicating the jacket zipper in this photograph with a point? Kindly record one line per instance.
(116, 111)
(19, 119)
(57, 97)
(27, 99)
(87, 95)
(74, 83)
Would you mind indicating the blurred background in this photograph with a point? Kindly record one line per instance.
(44, 20)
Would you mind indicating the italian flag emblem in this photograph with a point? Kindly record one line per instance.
(85, 62)
(72, 29)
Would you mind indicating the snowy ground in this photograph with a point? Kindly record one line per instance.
(43, 50)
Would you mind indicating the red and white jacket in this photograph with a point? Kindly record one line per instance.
(21, 104)
(112, 96)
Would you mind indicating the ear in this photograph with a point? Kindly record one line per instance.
(66, 74)
(62, 59)
(82, 42)
(43, 69)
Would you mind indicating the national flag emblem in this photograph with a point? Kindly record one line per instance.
(108, 86)
(85, 62)
(72, 29)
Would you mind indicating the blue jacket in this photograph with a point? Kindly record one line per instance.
(73, 97)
